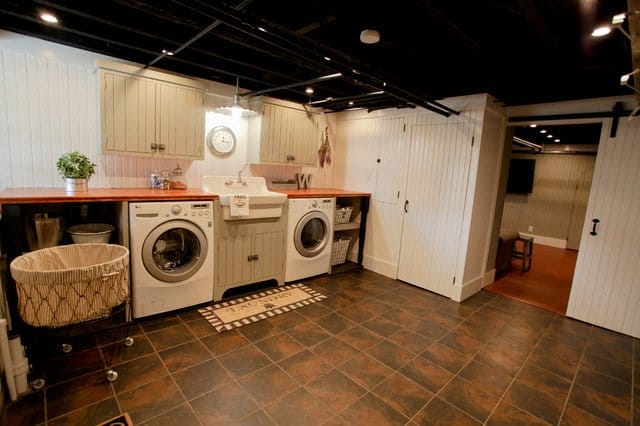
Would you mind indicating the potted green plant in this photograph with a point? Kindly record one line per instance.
(76, 169)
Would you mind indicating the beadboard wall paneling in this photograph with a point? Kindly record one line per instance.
(560, 192)
(605, 288)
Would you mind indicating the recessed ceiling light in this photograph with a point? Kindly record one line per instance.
(369, 36)
(549, 136)
(167, 52)
(48, 17)
(326, 58)
(350, 102)
(543, 131)
(308, 90)
(533, 125)
(556, 140)
(601, 31)
(619, 18)
(262, 29)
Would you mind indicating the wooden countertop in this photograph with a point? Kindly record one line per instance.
(320, 192)
(58, 195)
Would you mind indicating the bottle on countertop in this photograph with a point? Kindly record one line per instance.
(156, 180)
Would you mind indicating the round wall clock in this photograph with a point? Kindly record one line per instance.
(221, 140)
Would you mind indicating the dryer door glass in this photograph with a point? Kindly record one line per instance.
(174, 251)
(311, 234)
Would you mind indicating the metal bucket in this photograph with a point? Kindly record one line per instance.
(43, 231)
(75, 185)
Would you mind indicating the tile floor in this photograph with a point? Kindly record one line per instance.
(377, 351)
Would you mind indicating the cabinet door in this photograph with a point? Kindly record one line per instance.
(269, 249)
(276, 134)
(180, 122)
(128, 114)
(305, 139)
(436, 194)
(232, 260)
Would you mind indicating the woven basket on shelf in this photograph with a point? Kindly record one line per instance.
(339, 250)
(64, 285)
(343, 214)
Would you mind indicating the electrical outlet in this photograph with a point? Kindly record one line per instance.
(530, 228)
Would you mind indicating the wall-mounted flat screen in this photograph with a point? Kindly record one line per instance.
(521, 172)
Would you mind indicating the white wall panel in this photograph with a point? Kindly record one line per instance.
(605, 288)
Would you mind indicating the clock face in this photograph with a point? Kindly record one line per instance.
(221, 140)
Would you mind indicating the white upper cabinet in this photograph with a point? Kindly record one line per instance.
(284, 133)
(147, 113)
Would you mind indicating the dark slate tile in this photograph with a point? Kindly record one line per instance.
(439, 412)
(426, 374)
(289, 319)
(608, 344)
(259, 330)
(335, 351)
(573, 416)
(222, 343)
(428, 329)
(461, 343)
(469, 398)
(150, 399)
(602, 396)
(334, 323)
(201, 327)
(607, 367)
(360, 338)
(155, 324)
(305, 366)
(545, 381)
(335, 390)
(486, 378)
(279, 347)
(138, 372)
(357, 313)
(182, 415)
(401, 317)
(259, 418)
(506, 414)
(244, 361)
(410, 341)
(72, 365)
(77, 393)
(501, 358)
(119, 353)
(365, 370)
(184, 355)
(556, 357)
(402, 394)
(89, 415)
(445, 357)
(535, 402)
(202, 378)
(309, 334)
(390, 354)
(225, 405)
(28, 410)
(382, 326)
(268, 384)
(373, 411)
(298, 408)
(170, 336)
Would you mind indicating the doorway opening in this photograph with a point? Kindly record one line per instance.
(546, 183)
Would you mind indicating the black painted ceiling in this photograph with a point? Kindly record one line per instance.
(520, 51)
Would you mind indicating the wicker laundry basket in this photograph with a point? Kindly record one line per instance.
(69, 284)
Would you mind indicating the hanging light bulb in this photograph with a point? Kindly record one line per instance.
(236, 107)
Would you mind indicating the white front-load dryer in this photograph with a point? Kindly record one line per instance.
(171, 245)
(309, 237)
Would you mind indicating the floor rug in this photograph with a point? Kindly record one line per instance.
(246, 310)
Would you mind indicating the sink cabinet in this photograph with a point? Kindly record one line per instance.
(284, 133)
(150, 113)
(248, 251)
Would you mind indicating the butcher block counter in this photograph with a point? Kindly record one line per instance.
(58, 195)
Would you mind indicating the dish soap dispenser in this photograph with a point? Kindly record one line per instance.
(177, 180)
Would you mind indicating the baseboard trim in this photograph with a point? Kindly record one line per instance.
(489, 277)
(379, 266)
(547, 241)
(466, 290)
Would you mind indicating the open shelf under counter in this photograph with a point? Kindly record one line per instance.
(345, 267)
(346, 226)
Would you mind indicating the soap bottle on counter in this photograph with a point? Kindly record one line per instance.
(177, 180)
(156, 180)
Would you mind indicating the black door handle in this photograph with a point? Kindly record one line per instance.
(595, 223)
(406, 203)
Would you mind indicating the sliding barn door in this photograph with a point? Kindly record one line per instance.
(437, 180)
(606, 283)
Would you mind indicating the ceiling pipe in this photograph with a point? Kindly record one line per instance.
(291, 85)
(266, 34)
(196, 37)
(346, 98)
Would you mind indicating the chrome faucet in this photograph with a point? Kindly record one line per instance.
(240, 181)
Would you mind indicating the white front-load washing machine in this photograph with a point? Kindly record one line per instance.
(309, 237)
(171, 245)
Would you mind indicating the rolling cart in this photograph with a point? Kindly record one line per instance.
(71, 289)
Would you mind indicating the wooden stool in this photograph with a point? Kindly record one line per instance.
(527, 251)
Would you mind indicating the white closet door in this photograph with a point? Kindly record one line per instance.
(606, 283)
(436, 192)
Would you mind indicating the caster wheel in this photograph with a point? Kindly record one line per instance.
(128, 341)
(112, 375)
(66, 348)
(37, 384)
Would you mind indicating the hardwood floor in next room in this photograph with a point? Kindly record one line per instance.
(376, 352)
(546, 285)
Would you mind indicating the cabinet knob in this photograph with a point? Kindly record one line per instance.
(161, 146)
(154, 146)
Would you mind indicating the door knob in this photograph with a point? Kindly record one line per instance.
(406, 204)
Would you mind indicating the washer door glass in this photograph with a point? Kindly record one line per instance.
(312, 234)
(174, 251)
